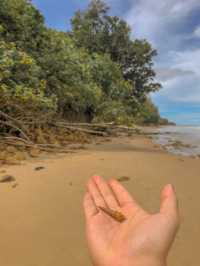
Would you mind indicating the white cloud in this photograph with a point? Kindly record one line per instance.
(187, 60)
(161, 22)
(181, 90)
(183, 7)
(182, 83)
(156, 20)
(197, 32)
(164, 74)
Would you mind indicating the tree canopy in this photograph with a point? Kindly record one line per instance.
(97, 71)
(97, 31)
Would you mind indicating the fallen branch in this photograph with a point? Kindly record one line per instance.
(6, 116)
(16, 128)
(44, 147)
(87, 131)
(17, 139)
(10, 118)
(98, 127)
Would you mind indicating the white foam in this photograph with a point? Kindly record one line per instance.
(189, 135)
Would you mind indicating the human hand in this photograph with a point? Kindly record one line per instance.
(144, 239)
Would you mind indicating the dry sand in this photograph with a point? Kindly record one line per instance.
(42, 224)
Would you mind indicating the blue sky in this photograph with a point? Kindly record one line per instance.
(173, 28)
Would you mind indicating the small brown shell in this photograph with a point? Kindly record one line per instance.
(116, 215)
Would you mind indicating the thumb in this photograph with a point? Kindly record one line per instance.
(168, 202)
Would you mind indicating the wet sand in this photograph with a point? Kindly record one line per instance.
(42, 222)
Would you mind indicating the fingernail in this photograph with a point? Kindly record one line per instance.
(96, 177)
(169, 188)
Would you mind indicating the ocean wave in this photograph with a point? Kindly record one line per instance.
(183, 140)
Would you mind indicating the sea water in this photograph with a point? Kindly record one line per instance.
(189, 136)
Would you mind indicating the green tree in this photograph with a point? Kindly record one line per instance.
(96, 71)
(87, 27)
(23, 24)
(67, 71)
(117, 101)
(20, 87)
(149, 113)
(98, 32)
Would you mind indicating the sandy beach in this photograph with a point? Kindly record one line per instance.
(42, 221)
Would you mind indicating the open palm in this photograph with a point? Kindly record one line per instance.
(142, 236)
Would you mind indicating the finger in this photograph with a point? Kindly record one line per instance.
(89, 207)
(95, 193)
(121, 194)
(168, 203)
(106, 192)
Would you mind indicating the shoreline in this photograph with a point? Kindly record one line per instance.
(178, 140)
(44, 211)
(165, 140)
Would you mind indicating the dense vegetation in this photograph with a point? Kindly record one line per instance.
(95, 72)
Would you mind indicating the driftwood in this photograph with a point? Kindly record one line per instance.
(85, 124)
(95, 127)
(16, 139)
(20, 131)
(43, 147)
(87, 131)
(14, 120)
(6, 116)
(9, 124)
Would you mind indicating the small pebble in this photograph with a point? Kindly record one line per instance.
(7, 179)
(15, 185)
(39, 168)
(2, 171)
(123, 178)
